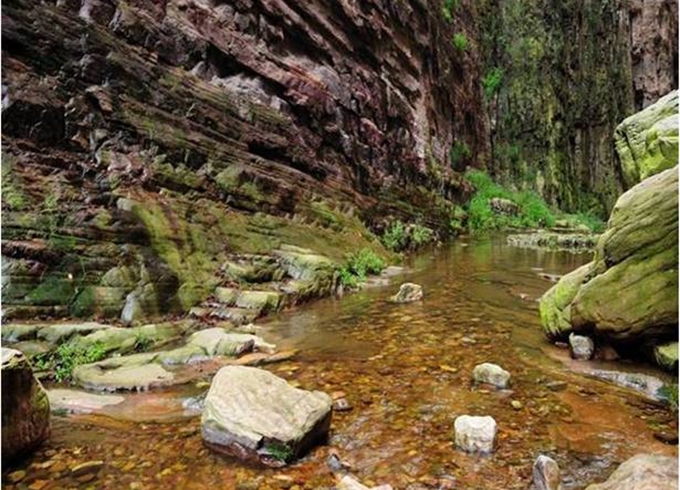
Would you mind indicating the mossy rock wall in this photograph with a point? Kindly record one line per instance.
(571, 71)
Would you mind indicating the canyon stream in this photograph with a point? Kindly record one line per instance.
(405, 370)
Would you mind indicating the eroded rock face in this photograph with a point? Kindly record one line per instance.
(254, 415)
(185, 136)
(643, 472)
(25, 407)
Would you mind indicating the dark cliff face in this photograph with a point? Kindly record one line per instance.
(164, 136)
(571, 72)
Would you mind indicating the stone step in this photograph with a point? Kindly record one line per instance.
(260, 301)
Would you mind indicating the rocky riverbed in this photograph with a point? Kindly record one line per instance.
(404, 373)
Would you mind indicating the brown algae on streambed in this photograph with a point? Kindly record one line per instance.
(406, 372)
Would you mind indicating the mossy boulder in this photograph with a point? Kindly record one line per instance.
(647, 142)
(25, 407)
(628, 294)
(555, 305)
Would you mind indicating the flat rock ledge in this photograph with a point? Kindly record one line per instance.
(570, 242)
(256, 416)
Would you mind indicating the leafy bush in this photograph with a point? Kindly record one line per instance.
(460, 41)
(457, 220)
(492, 81)
(399, 236)
(358, 266)
(420, 235)
(594, 224)
(460, 152)
(67, 356)
(532, 210)
(394, 237)
(448, 9)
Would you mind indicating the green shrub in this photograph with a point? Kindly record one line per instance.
(534, 211)
(457, 220)
(460, 152)
(143, 342)
(492, 81)
(279, 451)
(394, 237)
(67, 356)
(358, 266)
(594, 224)
(421, 235)
(460, 41)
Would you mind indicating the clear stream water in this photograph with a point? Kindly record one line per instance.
(406, 371)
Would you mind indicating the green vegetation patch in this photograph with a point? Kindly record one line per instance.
(492, 82)
(358, 266)
(532, 211)
(669, 392)
(449, 8)
(67, 356)
(399, 236)
(460, 41)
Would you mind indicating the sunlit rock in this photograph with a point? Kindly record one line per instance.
(491, 374)
(475, 434)
(254, 415)
(643, 472)
(408, 292)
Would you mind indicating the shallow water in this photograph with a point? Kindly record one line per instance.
(405, 369)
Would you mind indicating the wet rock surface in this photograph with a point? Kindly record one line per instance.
(581, 347)
(408, 292)
(577, 242)
(25, 407)
(643, 472)
(253, 415)
(546, 474)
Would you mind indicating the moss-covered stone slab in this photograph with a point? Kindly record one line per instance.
(60, 332)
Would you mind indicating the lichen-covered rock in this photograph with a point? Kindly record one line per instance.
(643, 472)
(574, 242)
(408, 293)
(629, 291)
(491, 374)
(254, 415)
(25, 407)
(475, 434)
(647, 142)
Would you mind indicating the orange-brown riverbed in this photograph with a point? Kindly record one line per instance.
(406, 371)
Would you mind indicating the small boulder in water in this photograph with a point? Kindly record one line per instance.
(491, 374)
(475, 434)
(254, 415)
(546, 474)
(408, 292)
(581, 347)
